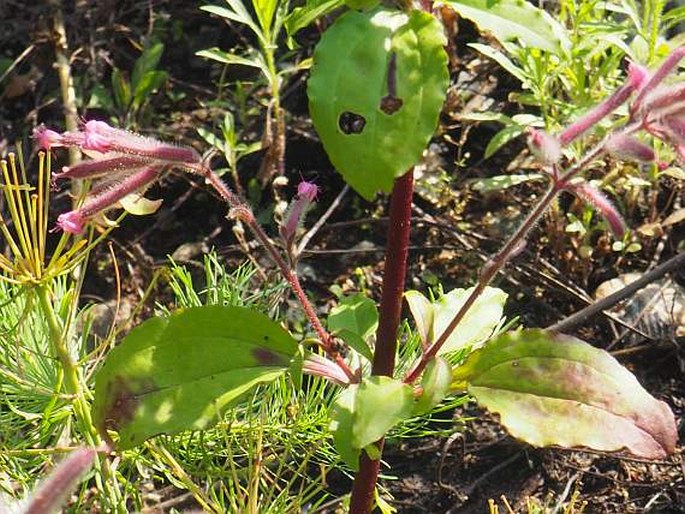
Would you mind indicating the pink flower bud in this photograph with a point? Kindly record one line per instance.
(316, 365)
(46, 138)
(593, 196)
(602, 110)
(306, 194)
(62, 480)
(94, 168)
(106, 195)
(638, 75)
(71, 222)
(94, 138)
(658, 77)
(627, 147)
(101, 137)
(307, 190)
(545, 147)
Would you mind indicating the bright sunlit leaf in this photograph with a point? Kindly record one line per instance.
(183, 371)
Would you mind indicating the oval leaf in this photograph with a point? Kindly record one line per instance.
(557, 390)
(356, 313)
(364, 413)
(371, 133)
(183, 371)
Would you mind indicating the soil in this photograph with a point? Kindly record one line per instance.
(454, 230)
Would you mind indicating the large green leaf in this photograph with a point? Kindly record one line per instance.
(514, 19)
(557, 390)
(364, 413)
(183, 371)
(372, 134)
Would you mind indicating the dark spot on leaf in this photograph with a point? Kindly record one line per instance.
(267, 357)
(391, 104)
(351, 123)
(124, 395)
(515, 364)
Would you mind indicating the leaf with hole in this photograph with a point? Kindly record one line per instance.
(183, 371)
(556, 390)
(376, 105)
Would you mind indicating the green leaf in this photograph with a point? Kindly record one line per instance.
(183, 371)
(502, 138)
(146, 63)
(436, 382)
(255, 61)
(355, 320)
(354, 341)
(371, 136)
(121, 88)
(342, 421)
(237, 13)
(556, 390)
(265, 10)
(477, 325)
(502, 60)
(356, 313)
(148, 84)
(362, 4)
(514, 19)
(381, 402)
(300, 17)
(364, 413)
(421, 310)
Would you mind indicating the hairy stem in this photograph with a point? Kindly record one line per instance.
(396, 252)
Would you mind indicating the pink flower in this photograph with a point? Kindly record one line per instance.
(123, 162)
(307, 190)
(46, 138)
(95, 137)
(71, 222)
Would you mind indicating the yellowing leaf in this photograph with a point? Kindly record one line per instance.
(556, 390)
(138, 205)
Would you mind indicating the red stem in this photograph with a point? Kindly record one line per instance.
(397, 249)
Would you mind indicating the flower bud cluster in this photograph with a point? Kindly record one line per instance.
(656, 108)
(123, 162)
